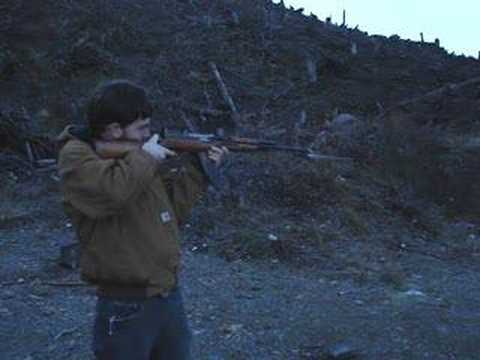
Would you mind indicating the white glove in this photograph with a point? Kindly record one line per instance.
(158, 151)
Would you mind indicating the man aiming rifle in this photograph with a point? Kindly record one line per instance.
(126, 210)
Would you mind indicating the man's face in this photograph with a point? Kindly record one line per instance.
(138, 131)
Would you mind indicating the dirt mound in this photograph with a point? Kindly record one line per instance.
(289, 76)
(434, 142)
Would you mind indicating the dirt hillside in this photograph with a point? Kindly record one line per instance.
(377, 255)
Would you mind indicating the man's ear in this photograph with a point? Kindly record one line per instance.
(113, 131)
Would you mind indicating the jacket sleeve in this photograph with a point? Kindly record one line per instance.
(101, 187)
(185, 183)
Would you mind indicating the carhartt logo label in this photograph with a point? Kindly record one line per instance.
(165, 216)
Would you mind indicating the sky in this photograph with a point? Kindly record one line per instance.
(455, 23)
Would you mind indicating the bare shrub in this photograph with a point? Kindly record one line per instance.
(436, 161)
(13, 128)
(291, 182)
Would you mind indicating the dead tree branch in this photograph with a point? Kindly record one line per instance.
(225, 94)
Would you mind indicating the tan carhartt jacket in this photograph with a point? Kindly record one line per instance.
(126, 213)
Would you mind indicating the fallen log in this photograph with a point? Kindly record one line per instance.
(437, 92)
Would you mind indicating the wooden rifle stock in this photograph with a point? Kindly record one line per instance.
(197, 143)
(115, 149)
(118, 149)
(197, 146)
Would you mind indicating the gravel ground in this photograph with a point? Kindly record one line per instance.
(243, 310)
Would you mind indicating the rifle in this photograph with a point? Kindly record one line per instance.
(198, 143)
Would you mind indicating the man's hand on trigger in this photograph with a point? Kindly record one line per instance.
(217, 155)
(158, 151)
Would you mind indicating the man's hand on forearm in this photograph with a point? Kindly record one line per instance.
(217, 154)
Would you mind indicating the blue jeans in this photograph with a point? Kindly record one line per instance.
(154, 328)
